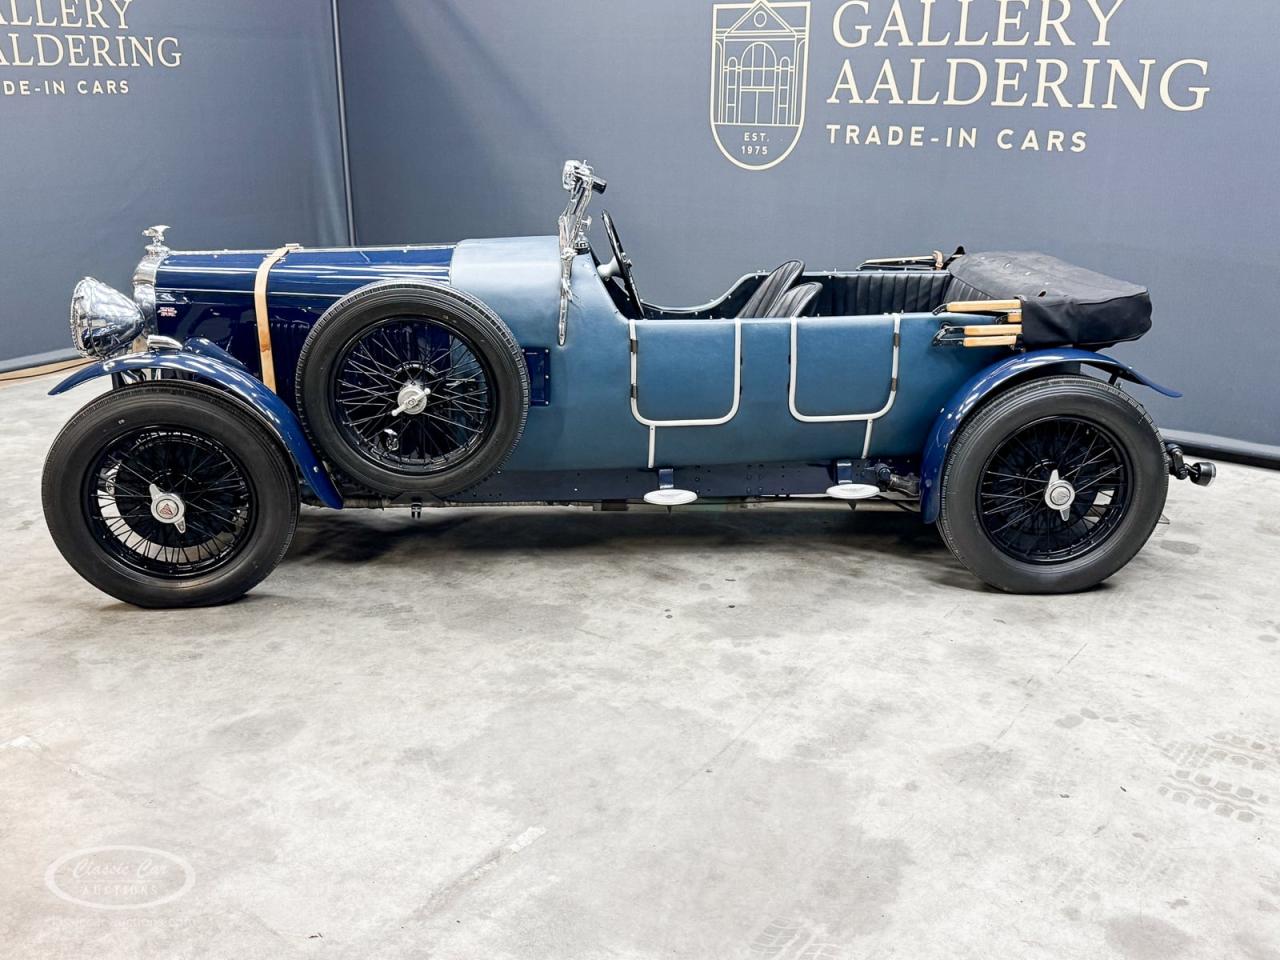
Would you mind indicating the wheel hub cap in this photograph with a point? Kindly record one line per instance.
(1059, 495)
(168, 508)
(412, 399)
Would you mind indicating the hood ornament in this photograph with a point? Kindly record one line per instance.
(156, 236)
(144, 274)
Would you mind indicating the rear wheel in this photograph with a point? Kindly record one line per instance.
(1053, 486)
(169, 495)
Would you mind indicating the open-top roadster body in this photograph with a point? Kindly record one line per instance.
(531, 370)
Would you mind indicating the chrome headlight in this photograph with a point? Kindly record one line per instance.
(103, 321)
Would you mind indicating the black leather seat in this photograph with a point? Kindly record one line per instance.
(764, 302)
(797, 301)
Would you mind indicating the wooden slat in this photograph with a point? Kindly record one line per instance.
(991, 341)
(985, 306)
(994, 330)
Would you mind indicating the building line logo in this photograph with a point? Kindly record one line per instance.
(759, 78)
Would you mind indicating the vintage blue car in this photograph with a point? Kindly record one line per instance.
(531, 370)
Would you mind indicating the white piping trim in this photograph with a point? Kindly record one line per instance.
(634, 347)
(866, 444)
(843, 417)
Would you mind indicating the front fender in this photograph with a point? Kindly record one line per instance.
(964, 400)
(206, 361)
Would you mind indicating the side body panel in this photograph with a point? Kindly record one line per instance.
(686, 370)
(843, 367)
(588, 424)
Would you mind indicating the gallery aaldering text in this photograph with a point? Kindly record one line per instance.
(78, 33)
(1007, 81)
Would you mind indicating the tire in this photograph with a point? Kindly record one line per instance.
(994, 516)
(372, 346)
(238, 493)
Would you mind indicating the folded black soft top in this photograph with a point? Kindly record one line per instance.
(1062, 304)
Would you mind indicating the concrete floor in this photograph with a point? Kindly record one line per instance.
(557, 734)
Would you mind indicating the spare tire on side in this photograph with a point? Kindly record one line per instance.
(413, 388)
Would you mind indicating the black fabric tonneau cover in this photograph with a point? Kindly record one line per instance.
(1062, 304)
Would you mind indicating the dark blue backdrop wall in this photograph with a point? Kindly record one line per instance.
(1131, 136)
(217, 118)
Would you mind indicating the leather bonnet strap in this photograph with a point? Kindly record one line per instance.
(260, 310)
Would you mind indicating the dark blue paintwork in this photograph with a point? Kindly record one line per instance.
(968, 397)
(207, 348)
(309, 273)
(210, 294)
(207, 362)
(537, 361)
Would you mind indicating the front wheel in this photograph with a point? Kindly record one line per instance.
(1053, 486)
(169, 495)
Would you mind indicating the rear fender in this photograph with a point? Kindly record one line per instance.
(991, 380)
(210, 363)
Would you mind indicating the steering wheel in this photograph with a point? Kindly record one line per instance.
(620, 265)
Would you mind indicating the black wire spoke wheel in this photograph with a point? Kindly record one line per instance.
(1091, 471)
(1052, 485)
(169, 494)
(412, 388)
(169, 503)
(413, 395)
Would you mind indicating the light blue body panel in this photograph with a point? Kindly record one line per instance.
(966, 399)
(209, 363)
(685, 371)
(843, 368)
(588, 425)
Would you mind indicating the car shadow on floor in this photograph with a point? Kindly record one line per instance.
(360, 536)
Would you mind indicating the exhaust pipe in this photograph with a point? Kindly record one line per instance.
(1201, 473)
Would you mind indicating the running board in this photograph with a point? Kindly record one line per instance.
(667, 494)
(853, 491)
(845, 489)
